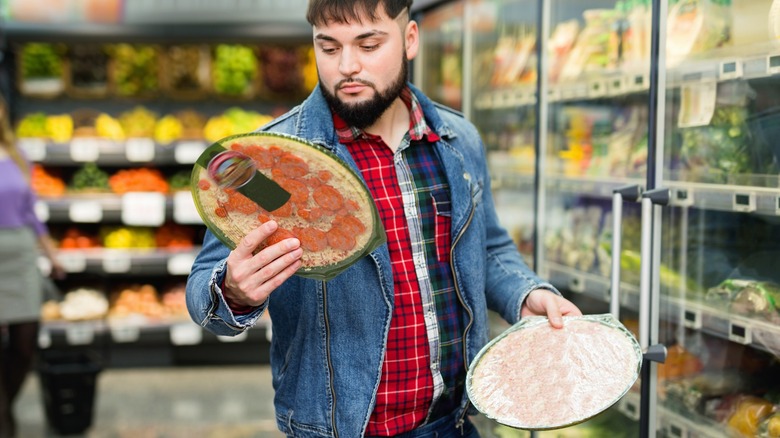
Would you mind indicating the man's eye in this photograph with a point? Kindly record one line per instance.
(370, 48)
(328, 50)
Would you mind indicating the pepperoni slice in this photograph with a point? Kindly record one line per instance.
(203, 184)
(328, 198)
(350, 224)
(262, 156)
(312, 239)
(299, 192)
(340, 239)
(278, 235)
(240, 203)
(293, 166)
(283, 211)
(310, 215)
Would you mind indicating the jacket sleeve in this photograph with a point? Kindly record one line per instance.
(205, 302)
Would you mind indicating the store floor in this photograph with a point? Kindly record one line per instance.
(176, 402)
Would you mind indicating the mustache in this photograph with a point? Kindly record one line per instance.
(353, 81)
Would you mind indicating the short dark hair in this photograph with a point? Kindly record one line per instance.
(345, 11)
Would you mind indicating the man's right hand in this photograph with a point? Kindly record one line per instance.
(250, 278)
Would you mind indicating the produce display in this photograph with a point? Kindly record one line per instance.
(185, 75)
(89, 178)
(138, 122)
(135, 69)
(234, 70)
(75, 238)
(88, 64)
(245, 180)
(233, 121)
(57, 127)
(282, 71)
(45, 183)
(595, 362)
(140, 179)
(41, 60)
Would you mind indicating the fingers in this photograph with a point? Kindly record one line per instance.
(247, 246)
(251, 277)
(546, 303)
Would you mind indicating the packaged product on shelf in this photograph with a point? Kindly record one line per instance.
(41, 72)
(770, 426)
(88, 66)
(595, 50)
(748, 414)
(561, 43)
(748, 297)
(696, 26)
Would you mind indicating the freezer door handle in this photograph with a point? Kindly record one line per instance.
(655, 353)
(630, 193)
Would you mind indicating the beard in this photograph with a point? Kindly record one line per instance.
(361, 115)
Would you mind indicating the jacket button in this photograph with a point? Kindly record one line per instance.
(467, 176)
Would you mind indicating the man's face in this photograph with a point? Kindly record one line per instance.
(363, 66)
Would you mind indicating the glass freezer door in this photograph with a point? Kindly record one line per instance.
(719, 271)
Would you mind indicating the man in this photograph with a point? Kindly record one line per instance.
(381, 349)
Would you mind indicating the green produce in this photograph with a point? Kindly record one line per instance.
(234, 69)
(748, 297)
(32, 125)
(89, 178)
(41, 60)
(138, 122)
(135, 69)
(180, 180)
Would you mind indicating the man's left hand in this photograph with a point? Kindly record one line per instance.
(543, 302)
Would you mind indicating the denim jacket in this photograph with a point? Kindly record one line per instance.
(329, 336)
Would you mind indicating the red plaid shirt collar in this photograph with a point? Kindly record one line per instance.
(418, 128)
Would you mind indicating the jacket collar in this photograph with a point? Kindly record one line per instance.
(315, 122)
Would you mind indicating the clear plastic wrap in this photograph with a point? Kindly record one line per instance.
(244, 180)
(536, 377)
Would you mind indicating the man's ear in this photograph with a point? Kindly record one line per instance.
(411, 39)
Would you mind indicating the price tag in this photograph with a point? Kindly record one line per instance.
(181, 264)
(629, 408)
(81, 333)
(577, 284)
(34, 148)
(186, 334)
(241, 337)
(125, 331)
(744, 202)
(597, 88)
(85, 211)
(730, 70)
(73, 262)
(740, 333)
(116, 262)
(42, 211)
(682, 197)
(143, 208)
(184, 210)
(140, 150)
(638, 82)
(187, 152)
(616, 86)
(678, 431)
(84, 149)
(773, 64)
(697, 103)
(692, 319)
(44, 338)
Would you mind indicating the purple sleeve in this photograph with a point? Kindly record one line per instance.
(31, 218)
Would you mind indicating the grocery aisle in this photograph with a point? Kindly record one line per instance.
(171, 402)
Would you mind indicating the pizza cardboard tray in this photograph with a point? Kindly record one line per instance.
(244, 180)
(536, 377)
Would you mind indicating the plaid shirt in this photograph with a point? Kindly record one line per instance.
(422, 374)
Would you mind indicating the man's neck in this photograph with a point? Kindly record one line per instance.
(392, 125)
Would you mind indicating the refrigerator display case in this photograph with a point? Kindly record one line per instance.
(652, 162)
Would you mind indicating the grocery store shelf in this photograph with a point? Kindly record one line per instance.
(134, 208)
(744, 330)
(589, 284)
(269, 31)
(109, 152)
(591, 186)
(128, 261)
(135, 343)
(756, 198)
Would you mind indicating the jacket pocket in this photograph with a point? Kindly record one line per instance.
(443, 209)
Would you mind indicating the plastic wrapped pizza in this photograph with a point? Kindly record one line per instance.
(536, 377)
(244, 180)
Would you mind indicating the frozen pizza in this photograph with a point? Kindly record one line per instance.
(536, 377)
(244, 180)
